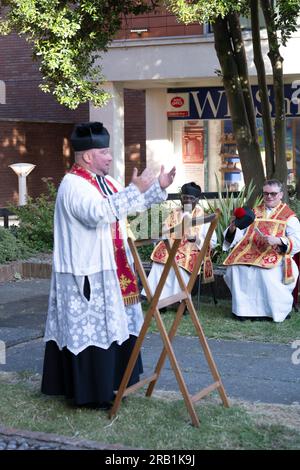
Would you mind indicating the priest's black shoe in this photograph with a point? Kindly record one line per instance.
(236, 317)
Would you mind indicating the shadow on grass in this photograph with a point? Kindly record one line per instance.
(217, 322)
(149, 423)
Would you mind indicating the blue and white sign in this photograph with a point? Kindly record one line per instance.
(211, 102)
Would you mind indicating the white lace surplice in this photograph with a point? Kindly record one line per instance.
(77, 323)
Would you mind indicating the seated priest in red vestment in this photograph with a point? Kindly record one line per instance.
(261, 273)
(189, 246)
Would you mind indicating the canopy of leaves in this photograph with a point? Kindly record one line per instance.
(286, 12)
(286, 15)
(204, 11)
(67, 37)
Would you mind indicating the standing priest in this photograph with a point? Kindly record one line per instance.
(94, 313)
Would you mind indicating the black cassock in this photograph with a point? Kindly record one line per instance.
(92, 376)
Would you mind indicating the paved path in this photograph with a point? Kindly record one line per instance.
(250, 371)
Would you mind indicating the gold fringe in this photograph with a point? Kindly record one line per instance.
(131, 299)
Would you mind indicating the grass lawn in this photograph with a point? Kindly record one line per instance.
(162, 421)
(152, 423)
(217, 322)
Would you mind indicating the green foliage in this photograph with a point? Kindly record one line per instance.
(11, 248)
(293, 201)
(203, 10)
(36, 220)
(286, 16)
(217, 322)
(67, 37)
(295, 206)
(285, 12)
(145, 252)
(227, 204)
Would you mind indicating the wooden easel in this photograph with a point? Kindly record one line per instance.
(184, 297)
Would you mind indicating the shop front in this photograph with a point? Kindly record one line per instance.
(204, 146)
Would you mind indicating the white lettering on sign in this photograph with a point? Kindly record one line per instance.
(296, 94)
(212, 103)
(208, 99)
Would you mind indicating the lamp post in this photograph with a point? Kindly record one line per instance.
(22, 170)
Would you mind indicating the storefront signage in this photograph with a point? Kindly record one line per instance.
(178, 105)
(211, 102)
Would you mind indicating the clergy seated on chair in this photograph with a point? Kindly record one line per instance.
(261, 273)
(188, 249)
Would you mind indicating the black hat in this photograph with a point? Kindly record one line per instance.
(191, 189)
(244, 216)
(89, 135)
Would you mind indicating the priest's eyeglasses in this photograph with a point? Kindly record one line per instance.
(274, 194)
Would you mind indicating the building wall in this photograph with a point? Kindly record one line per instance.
(34, 128)
(46, 145)
(134, 132)
(158, 24)
(24, 100)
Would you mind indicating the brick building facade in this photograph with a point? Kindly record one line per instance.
(34, 128)
(152, 57)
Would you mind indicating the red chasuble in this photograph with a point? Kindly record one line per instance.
(188, 251)
(127, 279)
(251, 250)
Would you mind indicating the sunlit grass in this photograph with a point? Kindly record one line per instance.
(149, 423)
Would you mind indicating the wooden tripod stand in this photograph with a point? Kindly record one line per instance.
(184, 297)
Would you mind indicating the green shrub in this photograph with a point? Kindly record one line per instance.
(294, 204)
(35, 228)
(11, 248)
(145, 252)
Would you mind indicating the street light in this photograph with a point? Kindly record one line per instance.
(22, 170)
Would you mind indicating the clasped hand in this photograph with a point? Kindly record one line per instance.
(271, 240)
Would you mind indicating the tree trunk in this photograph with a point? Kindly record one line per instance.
(263, 91)
(247, 145)
(242, 67)
(280, 120)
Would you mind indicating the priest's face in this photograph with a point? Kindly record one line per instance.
(272, 195)
(100, 161)
(188, 202)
